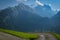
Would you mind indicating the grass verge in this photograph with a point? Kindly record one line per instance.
(56, 35)
(20, 34)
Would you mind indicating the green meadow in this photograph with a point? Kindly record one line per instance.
(20, 34)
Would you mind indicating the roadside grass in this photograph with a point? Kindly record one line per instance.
(56, 35)
(27, 36)
(20, 34)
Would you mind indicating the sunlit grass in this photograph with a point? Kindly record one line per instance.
(20, 34)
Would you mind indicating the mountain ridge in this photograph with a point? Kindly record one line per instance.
(18, 19)
(45, 11)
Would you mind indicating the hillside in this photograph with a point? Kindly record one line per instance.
(23, 18)
(56, 22)
(20, 17)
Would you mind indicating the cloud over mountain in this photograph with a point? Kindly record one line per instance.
(39, 3)
(21, 1)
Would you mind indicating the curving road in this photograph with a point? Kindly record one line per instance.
(46, 36)
(42, 36)
(50, 36)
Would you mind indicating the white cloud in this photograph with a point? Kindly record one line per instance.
(21, 1)
(50, 5)
(39, 3)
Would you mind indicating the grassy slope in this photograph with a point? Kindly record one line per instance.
(19, 34)
(26, 35)
(56, 35)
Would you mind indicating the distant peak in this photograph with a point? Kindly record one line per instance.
(47, 6)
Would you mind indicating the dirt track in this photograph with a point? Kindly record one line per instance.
(46, 36)
(4, 36)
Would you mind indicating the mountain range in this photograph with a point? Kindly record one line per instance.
(23, 18)
(45, 11)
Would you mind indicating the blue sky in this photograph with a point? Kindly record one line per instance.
(6, 3)
(54, 3)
